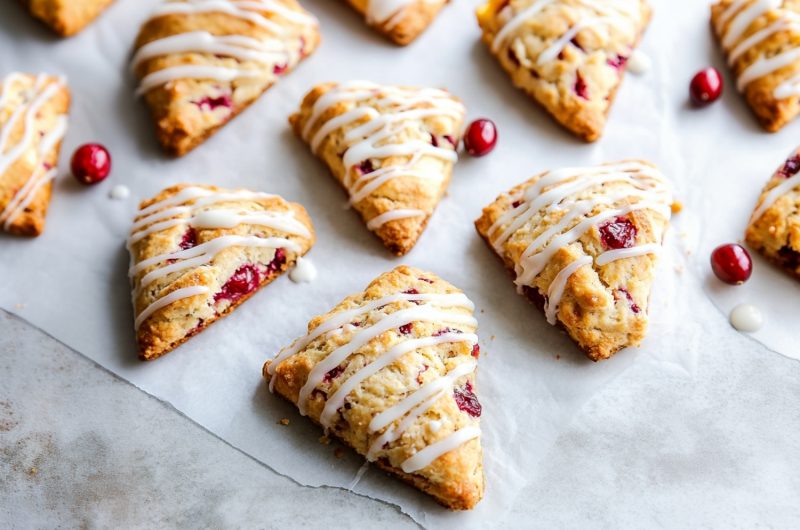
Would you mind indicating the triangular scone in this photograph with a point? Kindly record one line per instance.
(774, 228)
(391, 373)
(33, 120)
(66, 17)
(400, 20)
(201, 62)
(761, 41)
(583, 244)
(197, 252)
(392, 149)
(569, 55)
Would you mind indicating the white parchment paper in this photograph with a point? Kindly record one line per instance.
(72, 281)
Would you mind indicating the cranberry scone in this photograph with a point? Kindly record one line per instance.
(583, 245)
(392, 148)
(391, 373)
(197, 252)
(202, 62)
(761, 40)
(568, 55)
(66, 17)
(402, 21)
(774, 228)
(33, 121)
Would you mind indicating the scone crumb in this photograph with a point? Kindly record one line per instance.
(338, 452)
(33, 471)
(19, 306)
(677, 207)
(324, 439)
(284, 421)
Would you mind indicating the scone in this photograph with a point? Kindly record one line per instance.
(392, 148)
(400, 20)
(569, 55)
(761, 40)
(197, 252)
(66, 17)
(583, 244)
(774, 228)
(391, 373)
(201, 62)
(33, 120)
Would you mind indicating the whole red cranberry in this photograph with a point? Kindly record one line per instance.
(706, 86)
(731, 263)
(481, 137)
(91, 164)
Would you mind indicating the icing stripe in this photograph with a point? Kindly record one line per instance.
(174, 296)
(426, 457)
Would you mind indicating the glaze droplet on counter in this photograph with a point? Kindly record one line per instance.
(746, 318)
(303, 272)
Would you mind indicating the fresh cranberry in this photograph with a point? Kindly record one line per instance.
(91, 163)
(405, 329)
(481, 137)
(634, 307)
(618, 233)
(731, 263)
(791, 167)
(467, 401)
(580, 87)
(209, 103)
(706, 86)
(476, 351)
(244, 281)
(333, 374)
(189, 239)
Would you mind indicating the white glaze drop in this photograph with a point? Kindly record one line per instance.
(746, 318)
(639, 63)
(304, 271)
(119, 192)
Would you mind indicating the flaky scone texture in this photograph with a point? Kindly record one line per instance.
(568, 55)
(201, 64)
(198, 252)
(556, 233)
(392, 149)
(774, 228)
(408, 336)
(402, 21)
(33, 121)
(761, 41)
(66, 17)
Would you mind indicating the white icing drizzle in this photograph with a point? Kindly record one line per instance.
(734, 23)
(265, 51)
(40, 94)
(774, 194)
(389, 12)
(398, 110)
(622, 14)
(453, 441)
(403, 414)
(164, 301)
(174, 211)
(555, 191)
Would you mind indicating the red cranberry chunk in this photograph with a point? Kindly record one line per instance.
(189, 239)
(279, 69)
(476, 351)
(618, 62)
(405, 329)
(209, 103)
(244, 281)
(411, 291)
(580, 87)
(366, 167)
(789, 257)
(731, 263)
(420, 372)
(791, 167)
(634, 307)
(618, 233)
(333, 374)
(467, 401)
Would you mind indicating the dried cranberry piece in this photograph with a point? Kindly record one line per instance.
(618, 233)
(791, 167)
(467, 401)
(189, 239)
(333, 374)
(580, 87)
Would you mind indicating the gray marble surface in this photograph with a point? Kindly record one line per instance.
(719, 448)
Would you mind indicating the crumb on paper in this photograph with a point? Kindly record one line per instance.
(679, 269)
(33, 471)
(324, 439)
(338, 452)
(19, 306)
(284, 421)
(677, 207)
(492, 337)
(558, 357)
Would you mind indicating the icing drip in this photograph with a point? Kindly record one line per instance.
(734, 23)
(304, 271)
(388, 111)
(398, 418)
(25, 113)
(557, 192)
(194, 207)
(274, 55)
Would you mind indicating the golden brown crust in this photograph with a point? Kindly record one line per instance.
(774, 229)
(188, 110)
(762, 93)
(26, 181)
(604, 308)
(66, 17)
(230, 272)
(405, 26)
(422, 174)
(455, 478)
(578, 85)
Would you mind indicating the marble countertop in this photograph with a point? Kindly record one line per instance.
(81, 448)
